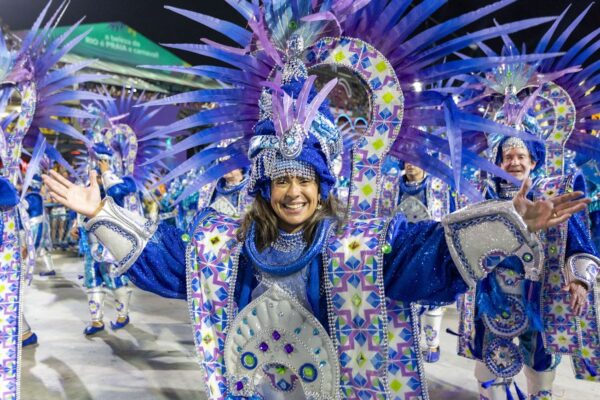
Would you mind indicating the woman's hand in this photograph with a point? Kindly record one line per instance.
(544, 214)
(83, 200)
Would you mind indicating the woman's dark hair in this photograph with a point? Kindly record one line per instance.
(261, 213)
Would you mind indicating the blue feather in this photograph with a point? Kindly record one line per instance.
(206, 117)
(214, 134)
(446, 28)
(212, 174)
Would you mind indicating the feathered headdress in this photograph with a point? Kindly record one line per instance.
(121, 131)
(550, 98)
(376, 37)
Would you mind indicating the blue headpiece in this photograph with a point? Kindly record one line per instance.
(296, 134)
(36, 183)
(102, 151)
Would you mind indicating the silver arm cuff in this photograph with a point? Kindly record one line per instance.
(480, 236)
(109, 179)
(122, 232)
(582, 267)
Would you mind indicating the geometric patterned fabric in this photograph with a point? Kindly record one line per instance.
(374, 337)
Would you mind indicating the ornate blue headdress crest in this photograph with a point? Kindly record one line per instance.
(296, 134)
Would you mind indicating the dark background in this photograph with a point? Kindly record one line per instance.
(163, 26)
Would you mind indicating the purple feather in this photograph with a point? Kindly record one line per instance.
(317, 101)
(214, 134)
(38, 153)
(229, 29)
(213, 174)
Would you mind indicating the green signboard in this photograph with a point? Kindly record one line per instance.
(115, 41)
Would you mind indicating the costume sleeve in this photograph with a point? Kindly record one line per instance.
(419, 266)
(582, 257)
(120, 189)
(152, 256)
(35, 205)
(160, 268)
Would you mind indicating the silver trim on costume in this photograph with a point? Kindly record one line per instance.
(36, 220)
(481, 235)
(123, 233)
(109, 179)
(582, 267)
(276, 329)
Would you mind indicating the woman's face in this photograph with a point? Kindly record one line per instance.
(294, 201)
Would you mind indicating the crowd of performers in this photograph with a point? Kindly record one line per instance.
(316, 260)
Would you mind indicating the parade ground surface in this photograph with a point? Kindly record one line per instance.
(154, 357)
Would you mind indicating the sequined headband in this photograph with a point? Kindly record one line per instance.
(513, 143)
(277, 166)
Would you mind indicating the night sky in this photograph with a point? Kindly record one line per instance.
(163, 26)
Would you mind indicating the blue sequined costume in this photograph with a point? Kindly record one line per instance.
(98, 266)
(40, 227)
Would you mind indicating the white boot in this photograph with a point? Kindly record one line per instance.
(491, 387)
(27, 336)
(95, 305)
(122, 299)
(432, 325)
(539, 384)
(48, 265)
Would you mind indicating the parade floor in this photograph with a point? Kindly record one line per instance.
(154, 357)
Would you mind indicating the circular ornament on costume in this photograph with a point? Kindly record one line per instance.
(387, 248)
(413, 209)
(308, 372)
(249, 360)
(511, 323)
(503, 357)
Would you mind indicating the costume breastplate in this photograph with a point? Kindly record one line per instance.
(243, 352)
(277, 347)
(414, 209)
(223, 205)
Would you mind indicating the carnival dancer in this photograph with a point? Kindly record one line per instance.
(558, 314)
(40, 226)
(292, 302)
(46, 94)
(98, 277)
(509, 306)
(422, 197)
(230, 194)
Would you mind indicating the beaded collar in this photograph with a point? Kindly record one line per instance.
(294, 266)
(289, 242)
(223, 188)
(412, 188)
(507, 190)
